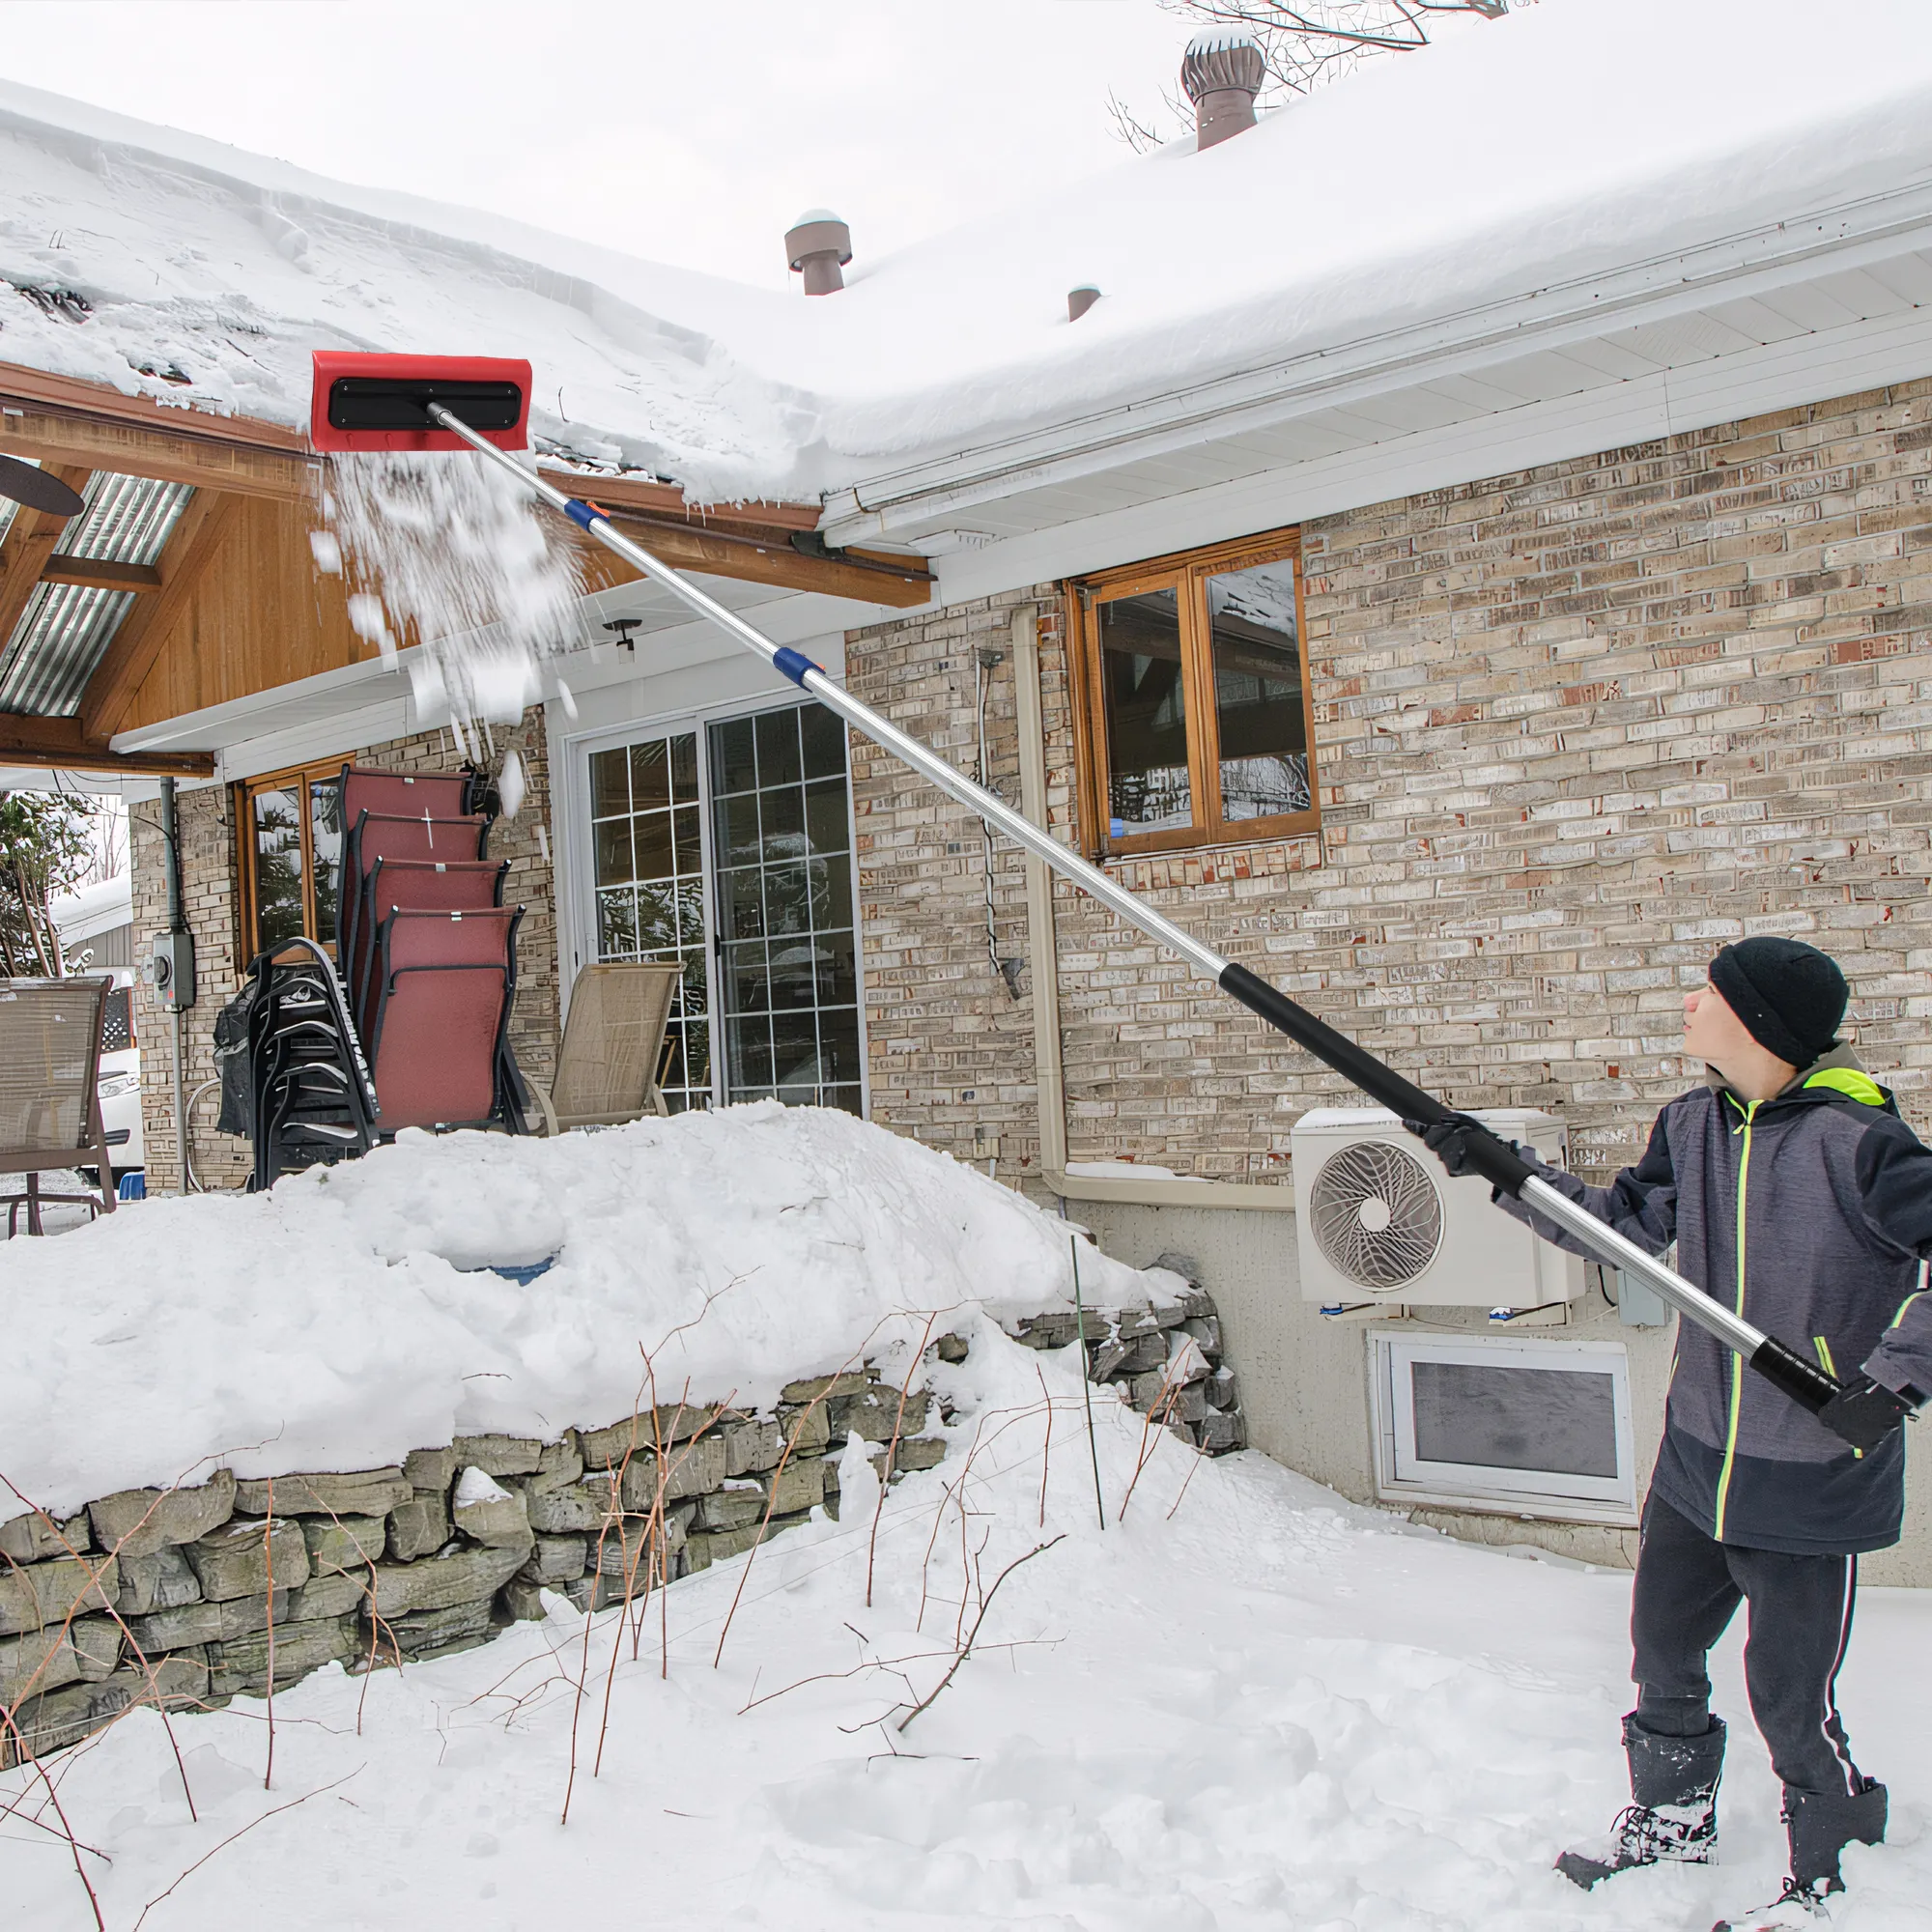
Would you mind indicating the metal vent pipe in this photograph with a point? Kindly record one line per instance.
(1221, 74)
(817, 246)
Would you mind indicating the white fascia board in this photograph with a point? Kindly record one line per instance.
(1755, 381)
(1756, 261)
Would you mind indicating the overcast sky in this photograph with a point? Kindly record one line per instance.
(688, 133)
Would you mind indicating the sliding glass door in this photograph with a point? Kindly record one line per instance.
(725, 844)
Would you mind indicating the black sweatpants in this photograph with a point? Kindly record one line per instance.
(1688, 1588)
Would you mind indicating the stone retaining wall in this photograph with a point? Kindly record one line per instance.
(184, 1598)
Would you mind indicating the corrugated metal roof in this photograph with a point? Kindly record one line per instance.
(55, 646)
(127, 519)
(66, 628)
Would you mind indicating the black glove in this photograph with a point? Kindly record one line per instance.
(1864, 1412)
(1448, 1140)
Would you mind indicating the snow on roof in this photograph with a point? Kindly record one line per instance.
(94, 909)
(1564, 141)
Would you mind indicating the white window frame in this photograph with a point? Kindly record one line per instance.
(580, 864)
(1405, 1477)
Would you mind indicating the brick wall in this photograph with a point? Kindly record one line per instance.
(208, 887)
(1575, 727)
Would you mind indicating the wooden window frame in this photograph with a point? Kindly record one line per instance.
(292, 777)
(1186, 574)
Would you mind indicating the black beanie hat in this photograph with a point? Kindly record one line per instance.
(1789, 995)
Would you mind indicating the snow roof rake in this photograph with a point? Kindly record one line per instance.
(403, 402)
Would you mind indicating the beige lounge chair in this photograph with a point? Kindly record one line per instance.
(612, 1045)
(49, 1109)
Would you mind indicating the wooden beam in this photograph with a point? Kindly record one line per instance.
(97, 574)
(63, 744)
(138, 449)
(666, 500)
(128, 659)
(23, 556)
(750, 561)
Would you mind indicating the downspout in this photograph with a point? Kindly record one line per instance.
(177, 924)
(1049, 1073)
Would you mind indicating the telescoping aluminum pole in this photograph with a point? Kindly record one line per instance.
(1804, 1381)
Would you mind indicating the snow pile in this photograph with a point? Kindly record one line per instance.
(349, 1315)
(1246, 1707)
(1560, 142)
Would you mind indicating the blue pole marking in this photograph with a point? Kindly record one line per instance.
(581, 514)
(794, 664)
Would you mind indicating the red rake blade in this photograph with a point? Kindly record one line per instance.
(381, 401)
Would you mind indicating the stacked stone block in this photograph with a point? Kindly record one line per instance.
(211, 894)
(185, 1598)
(1574, 728)
(1166, 1361)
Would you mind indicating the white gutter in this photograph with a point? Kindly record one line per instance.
(1050, 1074)
(1754, 261)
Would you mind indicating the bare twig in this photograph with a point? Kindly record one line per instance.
(268, 1553)
(971, 1638)
(275, 1812)
(892, 1451)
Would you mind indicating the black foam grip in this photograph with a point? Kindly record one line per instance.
(1361, 1069)
(1801, 1379)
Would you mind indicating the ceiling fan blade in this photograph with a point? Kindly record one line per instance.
(36, 488)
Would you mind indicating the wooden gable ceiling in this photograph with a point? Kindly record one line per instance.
(234, 606)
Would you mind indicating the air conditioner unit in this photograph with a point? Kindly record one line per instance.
(1378, 1220)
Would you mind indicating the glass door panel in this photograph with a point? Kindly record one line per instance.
(781, 840)
(648, 874)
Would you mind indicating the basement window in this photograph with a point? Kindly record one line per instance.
(1192, 708)
(289, 831)
(1522, 1427)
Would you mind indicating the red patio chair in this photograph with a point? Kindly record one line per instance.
(441, 1012)
(423, 885)
(373, 835)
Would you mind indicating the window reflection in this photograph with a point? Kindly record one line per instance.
(1148, 785)
(1258, 702)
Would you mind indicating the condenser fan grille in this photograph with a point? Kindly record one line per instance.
(1376, 1214)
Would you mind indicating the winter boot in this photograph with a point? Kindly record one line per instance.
(1820, 1825)
(1674, 1781)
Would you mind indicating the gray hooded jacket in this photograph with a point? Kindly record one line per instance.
(1810, 1214)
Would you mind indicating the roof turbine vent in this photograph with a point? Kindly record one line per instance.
(817, 245)
(1222, 71)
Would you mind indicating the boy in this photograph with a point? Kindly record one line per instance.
(1796, 1195)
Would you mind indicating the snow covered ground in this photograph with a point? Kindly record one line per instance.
(1246, 1705)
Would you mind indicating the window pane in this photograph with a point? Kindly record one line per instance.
(325, 819)
(650, 774)
(278, 868)
(824, 743)
(778, 747)
(610, 784)
(733, 763)
(613, 839)
(1562, 1420)
(1147, 786)
(1258, 707)
(650, 837)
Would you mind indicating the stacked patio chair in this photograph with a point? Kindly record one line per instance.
(311, 1098)
(429, 950)
(409, 1025)
(49, 1111)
